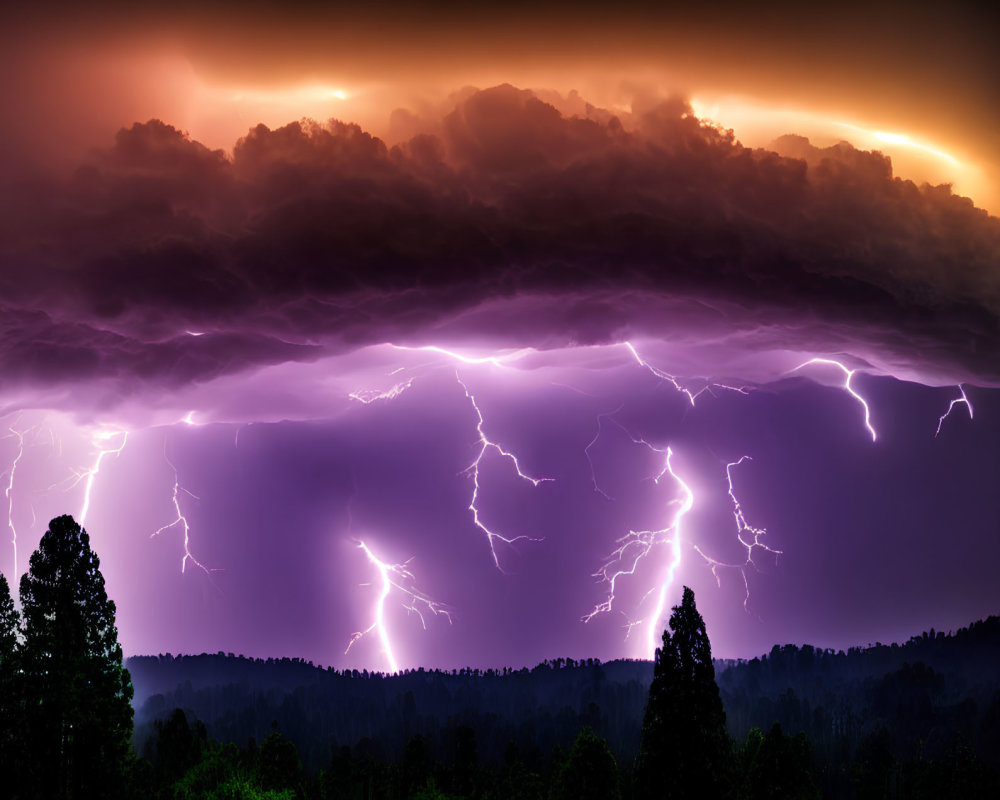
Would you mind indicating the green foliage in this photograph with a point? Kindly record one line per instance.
(178, 746)
(279, 763)
(589, 773)
(429, 792)
(222, 775)
(78, 720)
(685, 751)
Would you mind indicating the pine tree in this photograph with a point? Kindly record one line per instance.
(685, 751)
(78, 722)
(10, 705)
(589, 773)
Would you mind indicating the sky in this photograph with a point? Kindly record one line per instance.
(413, 336)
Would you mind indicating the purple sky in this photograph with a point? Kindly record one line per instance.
(236, 316)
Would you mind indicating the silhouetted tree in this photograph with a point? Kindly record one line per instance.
(78, 721)
(685, 751)
(589, 773)
(517, 782)
(466, 757)
(776, 767)
(415, 769)
(873, 765)
(10, 627)
(178, 746)
(280, 766)
(10, 694)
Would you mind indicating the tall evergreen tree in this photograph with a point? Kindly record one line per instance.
(78, 724)
(685, 751)
(589, 773)
(10, 694)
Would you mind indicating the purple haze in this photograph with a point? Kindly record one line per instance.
(235, 316)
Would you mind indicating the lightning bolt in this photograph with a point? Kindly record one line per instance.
(91, 474)
(485, 445)
(496, 361)
(637, 545)
(586, 451)
(399, 577)
(848, 377)
(748, 536)
(961, 399)
(687, 501)
(19, 435)
(369, 396)
(181, 520)
(691, 396)
(673, 381)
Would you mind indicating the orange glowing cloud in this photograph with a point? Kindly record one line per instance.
(762, 71)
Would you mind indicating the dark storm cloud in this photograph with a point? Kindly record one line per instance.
(34, 350)
(319, 238)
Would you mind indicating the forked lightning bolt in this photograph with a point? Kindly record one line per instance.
(485, 444)
(637, 545)
(398, 577)
(181, 520)
(748, 535)
(961, 399)
(691, 396)
(848, 377)
(686, 502)
(672, 380)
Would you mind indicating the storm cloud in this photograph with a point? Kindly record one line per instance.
(507, 223)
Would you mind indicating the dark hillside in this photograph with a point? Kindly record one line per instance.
(932, 692)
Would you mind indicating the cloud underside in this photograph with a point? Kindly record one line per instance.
(506, 223)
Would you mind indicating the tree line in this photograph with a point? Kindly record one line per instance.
(798, 723)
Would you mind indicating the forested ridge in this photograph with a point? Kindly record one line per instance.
(932, 699)
(238, 698)
(919, 720)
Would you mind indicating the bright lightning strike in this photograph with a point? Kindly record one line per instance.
(182, 521)
(399, 577)
(485, 444)
(848, 377)
(19, 435)
(687, 502)
(962, 399)
(496, 361)
(91, 474)
(637, 545)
